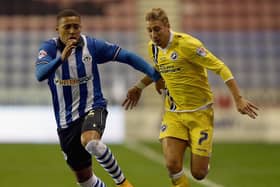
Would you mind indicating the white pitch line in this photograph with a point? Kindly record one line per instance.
(156, 157)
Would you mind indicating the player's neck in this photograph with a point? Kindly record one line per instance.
(167, 42)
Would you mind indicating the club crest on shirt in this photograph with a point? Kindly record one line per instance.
(201, 51)
(87, 58)
(163, 127)
(174, 55)
(42, 54)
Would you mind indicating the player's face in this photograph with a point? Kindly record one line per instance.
(158, 32)
(69, 28)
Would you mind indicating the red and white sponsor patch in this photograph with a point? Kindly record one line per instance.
(42, 54)
(201, 51)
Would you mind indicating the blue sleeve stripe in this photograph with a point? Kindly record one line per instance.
(117, 53)
(41, 62)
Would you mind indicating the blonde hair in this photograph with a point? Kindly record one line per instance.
(157, 14)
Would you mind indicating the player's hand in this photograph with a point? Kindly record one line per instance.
(132, 98)
(70, 45)
(160, 86)
(246, 107)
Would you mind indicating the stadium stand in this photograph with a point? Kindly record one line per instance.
(245, 33)
(22, 30)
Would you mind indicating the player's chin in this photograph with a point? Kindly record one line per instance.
(157, 43)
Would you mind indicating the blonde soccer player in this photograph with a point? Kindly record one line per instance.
(183, 61)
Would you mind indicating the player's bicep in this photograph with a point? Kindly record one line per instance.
(201, 56)
(43, 58)
(46, 52)
(106, 51)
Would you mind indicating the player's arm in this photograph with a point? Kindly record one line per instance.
(134, 93)
(46, 64)
(243, 106)
(70, 45)
(200, 55)
(106, 52)
(127, 57)
(45, 68)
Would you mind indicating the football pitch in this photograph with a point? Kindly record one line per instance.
(232, 165)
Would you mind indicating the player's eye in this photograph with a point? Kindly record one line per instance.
(66, 27)
(69, 26)
(156, 29)
(76, 26)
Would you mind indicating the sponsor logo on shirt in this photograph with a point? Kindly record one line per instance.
(201, 51)
(42, 54)
(163, 127)
(71, 82)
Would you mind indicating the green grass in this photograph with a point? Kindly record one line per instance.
(232, 165)
(246, 165)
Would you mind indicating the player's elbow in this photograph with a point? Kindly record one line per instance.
(41, 73)
(39, 76)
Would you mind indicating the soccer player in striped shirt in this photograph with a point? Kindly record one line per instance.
(183, 61)
(69, 63)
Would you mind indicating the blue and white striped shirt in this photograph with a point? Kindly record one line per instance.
(75, 83)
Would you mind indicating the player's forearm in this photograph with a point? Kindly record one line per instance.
(144, 82)
(44, 69)
(234, 89)
(138, 63)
